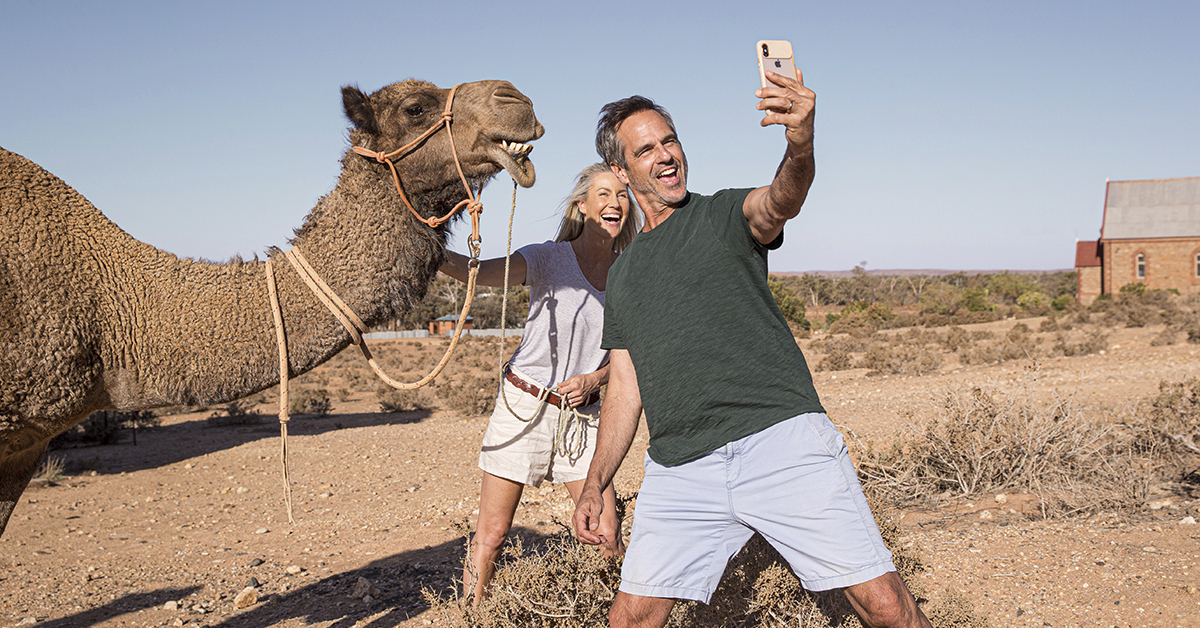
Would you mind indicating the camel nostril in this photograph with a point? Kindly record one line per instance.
(506, 94)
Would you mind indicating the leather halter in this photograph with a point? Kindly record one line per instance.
(474, 207)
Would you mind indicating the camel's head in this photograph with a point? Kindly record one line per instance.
(492, 123)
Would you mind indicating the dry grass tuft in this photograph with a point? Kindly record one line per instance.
(399, 400)
(564, 584)
(982, 442)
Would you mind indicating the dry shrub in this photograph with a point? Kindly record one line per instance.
(234, 413)
(471, 395)
(1093, 342)
(1170, 422)
(1018, 343)
(399, 400)
(981, 443)
(901, 360)
(979, 354)
(916, 336)
(567, 585)
(857, 323)
(835, 361)
(1165, 337)
(310, 401)
(843, 343)
(561, 584)
(956, 338)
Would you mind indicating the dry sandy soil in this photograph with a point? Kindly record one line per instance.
(191, 513)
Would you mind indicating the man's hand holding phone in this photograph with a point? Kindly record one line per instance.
(784, 98)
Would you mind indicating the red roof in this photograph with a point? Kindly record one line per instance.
(1087, 253)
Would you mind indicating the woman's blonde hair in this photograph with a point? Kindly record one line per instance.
(572, 221)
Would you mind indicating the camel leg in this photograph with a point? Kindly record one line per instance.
(19, 463)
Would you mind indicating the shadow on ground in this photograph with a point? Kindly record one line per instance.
(168, 444)
(400, 578)
(121, 606)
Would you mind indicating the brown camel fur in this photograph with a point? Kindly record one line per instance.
(91, 318)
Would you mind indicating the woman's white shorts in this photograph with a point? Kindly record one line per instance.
(523, 450)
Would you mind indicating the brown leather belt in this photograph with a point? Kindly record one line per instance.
(551, 398)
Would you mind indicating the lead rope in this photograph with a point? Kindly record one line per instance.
(345, 315)
(570, 438)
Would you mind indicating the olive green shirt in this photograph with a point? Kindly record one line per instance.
(714, 357)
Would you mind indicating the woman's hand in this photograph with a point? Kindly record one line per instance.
(576, 389)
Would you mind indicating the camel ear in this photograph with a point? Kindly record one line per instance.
(359, 110)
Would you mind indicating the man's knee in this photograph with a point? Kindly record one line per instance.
(885, 601)
(635, 611)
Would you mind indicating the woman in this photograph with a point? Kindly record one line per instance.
(560, 347)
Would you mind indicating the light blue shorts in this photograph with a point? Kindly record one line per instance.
(793, 483)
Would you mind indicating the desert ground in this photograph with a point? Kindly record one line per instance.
(169, 531)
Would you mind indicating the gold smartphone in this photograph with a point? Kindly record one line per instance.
(775, 56)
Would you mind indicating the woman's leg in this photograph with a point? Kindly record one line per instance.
(498, 499)
(609, 526)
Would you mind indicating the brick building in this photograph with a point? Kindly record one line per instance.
(1150, 234)
(445, 324)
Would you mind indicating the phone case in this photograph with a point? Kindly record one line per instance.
(776, 56)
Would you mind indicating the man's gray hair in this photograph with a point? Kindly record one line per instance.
(611, 117)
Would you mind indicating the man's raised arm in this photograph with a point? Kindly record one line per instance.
(791, 104)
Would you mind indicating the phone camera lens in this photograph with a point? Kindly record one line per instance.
(765, 50)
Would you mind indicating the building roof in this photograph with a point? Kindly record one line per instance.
(1087, 253)
(452, 318)
(1152, 208)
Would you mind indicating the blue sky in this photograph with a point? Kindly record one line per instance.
(953, 135)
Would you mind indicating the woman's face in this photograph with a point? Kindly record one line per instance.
(607, 205)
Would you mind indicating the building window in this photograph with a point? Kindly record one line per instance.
(1140, 265)
(1197, 264)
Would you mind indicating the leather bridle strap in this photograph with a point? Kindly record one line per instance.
(387, 158)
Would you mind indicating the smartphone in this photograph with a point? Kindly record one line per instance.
(775, 56)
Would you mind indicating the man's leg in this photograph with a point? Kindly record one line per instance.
(636, 611)
(886, 602)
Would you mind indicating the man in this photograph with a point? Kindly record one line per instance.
(739, 441)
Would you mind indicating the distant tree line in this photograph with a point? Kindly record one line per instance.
(905, 300)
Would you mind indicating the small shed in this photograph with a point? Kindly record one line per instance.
(445, 324)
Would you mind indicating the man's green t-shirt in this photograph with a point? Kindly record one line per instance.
(714, 357)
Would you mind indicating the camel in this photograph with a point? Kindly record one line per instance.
(91, 318)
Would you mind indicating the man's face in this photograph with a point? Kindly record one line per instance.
(657, 167)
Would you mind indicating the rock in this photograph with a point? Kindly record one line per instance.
(1159, 504)
(242, 489)
(1188, 520)
(368, 599)
(248, 597)
(294, 570)
(171, 606)
(253, 583)
(261, 531)
(1190, 589)
(1001, 498)
(256, 562)
(28, 621)
(986, 514)
(364, 589)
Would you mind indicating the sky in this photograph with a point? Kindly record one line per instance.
(949, 135)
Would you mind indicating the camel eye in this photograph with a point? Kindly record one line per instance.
(415, 111)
